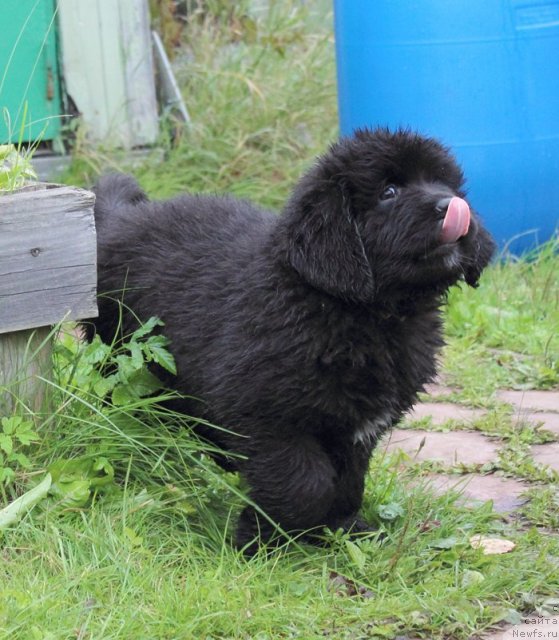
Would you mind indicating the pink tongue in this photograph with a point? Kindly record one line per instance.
(456, 221)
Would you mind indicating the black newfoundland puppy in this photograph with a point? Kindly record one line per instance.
(305, 335)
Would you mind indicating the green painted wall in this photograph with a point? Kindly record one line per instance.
(29, 71)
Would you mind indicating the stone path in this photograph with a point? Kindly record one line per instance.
(460, 446)
(475, 453)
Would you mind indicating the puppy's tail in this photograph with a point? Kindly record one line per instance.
(114, 191)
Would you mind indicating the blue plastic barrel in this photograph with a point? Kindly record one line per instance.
(482, 76)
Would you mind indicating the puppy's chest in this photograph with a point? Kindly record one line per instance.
(376, 371)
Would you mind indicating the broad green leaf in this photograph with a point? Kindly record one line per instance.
(6, 443)
(102, 472)
(126, 367)
(103, 386)
(21, 459)
(25, 426)
(390, 511)
(63, 352)
(75, 493)
(122, 395)
(445, 543)
(382, 631)
(97, 351)
(6, 475)
(9, 424)
(24, 433)
(140, 384)
(145, 383)
(136, 354)
(74, 481)
(158, 340)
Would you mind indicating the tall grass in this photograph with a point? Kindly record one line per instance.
(260, 88)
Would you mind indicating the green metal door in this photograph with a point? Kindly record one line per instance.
(29, 82)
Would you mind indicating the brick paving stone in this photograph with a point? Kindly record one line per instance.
(547, 454)
(550, 420)
(535, 400)
(437, 390)
(443, 411)
(476, 489)
(450, 448)
(546, 628)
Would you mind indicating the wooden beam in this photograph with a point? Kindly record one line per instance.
(48, 267)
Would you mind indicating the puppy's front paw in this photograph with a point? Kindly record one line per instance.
(356, 526)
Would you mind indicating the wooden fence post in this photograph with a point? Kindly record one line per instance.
(25, 361)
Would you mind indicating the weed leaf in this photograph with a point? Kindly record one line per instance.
(156, 350)
(445, 543)
(390, 511)
(146, 328)
(75, 481)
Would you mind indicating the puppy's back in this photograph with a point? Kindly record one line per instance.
(122, 204)
(182, 249)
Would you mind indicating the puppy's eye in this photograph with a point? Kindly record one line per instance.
(391, 191)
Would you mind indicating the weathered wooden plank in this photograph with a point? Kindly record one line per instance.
(25, 362)
(141, 105)
(95, 88)
(108, 69)
(47, 257)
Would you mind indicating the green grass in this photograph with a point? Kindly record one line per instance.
(140, 563)
(508, 328)
(139, 546)
(15, 167)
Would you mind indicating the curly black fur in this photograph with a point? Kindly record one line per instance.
(308, 334)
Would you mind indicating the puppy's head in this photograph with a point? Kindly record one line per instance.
(384, 212)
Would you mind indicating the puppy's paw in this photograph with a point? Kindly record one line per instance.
(357, 526)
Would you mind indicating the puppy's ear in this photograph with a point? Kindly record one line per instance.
(324, 244)
(483, 250)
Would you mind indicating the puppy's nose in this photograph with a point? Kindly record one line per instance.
(442, 204)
